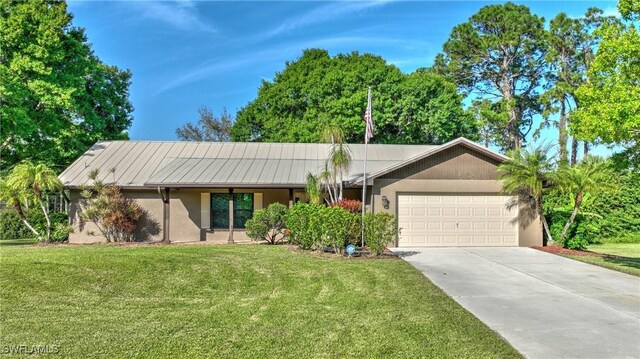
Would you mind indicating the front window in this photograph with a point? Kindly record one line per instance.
(242, 209)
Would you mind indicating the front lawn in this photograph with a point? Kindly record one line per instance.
(623, 257)
(229, 301)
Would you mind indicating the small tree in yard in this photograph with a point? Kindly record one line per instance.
(313, 188)
(524, 174)
(591, 176)
(31, 181)
(15, 198)
(115, 215)
(268, 224)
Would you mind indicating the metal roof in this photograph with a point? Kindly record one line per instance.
(141, 164)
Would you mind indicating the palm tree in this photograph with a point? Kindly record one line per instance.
(339, 158)
(13, 198)
(592, 176)
(37, 179)
(313, 189)
(525, 174)
(328, 180)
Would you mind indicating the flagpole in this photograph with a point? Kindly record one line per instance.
(364, 171)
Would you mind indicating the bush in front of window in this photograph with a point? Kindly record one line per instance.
(268, 224)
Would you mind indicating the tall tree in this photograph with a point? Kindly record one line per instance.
(429, 111)
(629, 9)
(208, 128)
(317, 88)
(609, 110)
(572, 43)
(499, 55)
(56, 97)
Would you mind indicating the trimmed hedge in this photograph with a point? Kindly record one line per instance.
(11, 227)
(314, 226)
(381, 229)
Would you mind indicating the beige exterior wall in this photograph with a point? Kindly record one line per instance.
(458, 170)
(185, 215)
(150, 228)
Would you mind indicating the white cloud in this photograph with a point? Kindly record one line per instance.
(287, 51)
(322, 14)
(182, 15)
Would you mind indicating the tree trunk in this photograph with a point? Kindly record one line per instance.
(330, 190)
(586, 151)
(543, 220)
(25, 221)
(574, 151)
(572, 217)
(562, 134)
(46, 216)
(341, 188)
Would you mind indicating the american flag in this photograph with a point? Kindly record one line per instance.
(368, 119)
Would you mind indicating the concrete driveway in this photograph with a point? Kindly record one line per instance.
(545, 305)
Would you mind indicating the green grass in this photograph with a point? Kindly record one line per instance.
(17, 242)
(229, 301)
(623, 257)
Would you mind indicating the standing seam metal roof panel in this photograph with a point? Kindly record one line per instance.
(154, 163)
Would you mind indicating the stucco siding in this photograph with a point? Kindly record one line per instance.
(458, 170)
(185, 215)
(149, 229)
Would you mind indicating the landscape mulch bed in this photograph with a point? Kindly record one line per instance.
(572, 252)
(386, 254)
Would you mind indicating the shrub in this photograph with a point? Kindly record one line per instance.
(115, 216)
(351, 205)
(303, 222)
(380, 230)
(268, 224)
(338, 227)
(313, 226)
(584, 231)
(11, 227)
(604, 217)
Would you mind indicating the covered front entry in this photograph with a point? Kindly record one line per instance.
(456, 220)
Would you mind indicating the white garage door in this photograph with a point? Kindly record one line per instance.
(456, 220)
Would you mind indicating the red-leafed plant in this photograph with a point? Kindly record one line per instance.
(351, 205)
(115, 215)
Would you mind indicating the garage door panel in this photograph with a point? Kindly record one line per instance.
(456, 220)
(448, 211)
(464, 211)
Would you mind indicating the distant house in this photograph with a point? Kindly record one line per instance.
(446, 195)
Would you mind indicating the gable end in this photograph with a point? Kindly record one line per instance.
(458, 162)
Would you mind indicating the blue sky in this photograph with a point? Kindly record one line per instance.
(184, 54)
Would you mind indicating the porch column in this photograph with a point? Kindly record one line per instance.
(166, 219)
(290, 197)
(230, 216)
